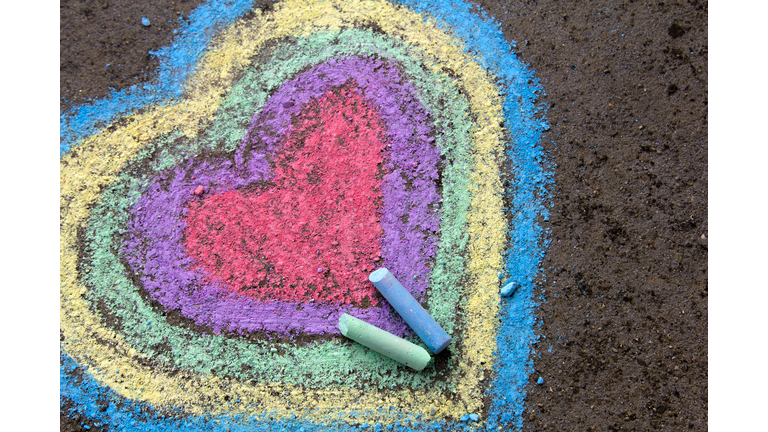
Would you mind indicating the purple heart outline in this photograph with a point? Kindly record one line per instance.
(154, 242)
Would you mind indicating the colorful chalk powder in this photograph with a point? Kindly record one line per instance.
(217, 223)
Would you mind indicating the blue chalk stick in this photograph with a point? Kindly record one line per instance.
(420, 321)
(474, 417)
(509, 289)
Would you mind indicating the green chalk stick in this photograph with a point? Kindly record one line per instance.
(384, 342)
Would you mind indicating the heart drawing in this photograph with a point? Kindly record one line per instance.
(331, 179)
(214, 231)
(313, 231)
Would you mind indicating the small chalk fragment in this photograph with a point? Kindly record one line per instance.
(287, 104)
(198, 190)
(509, 289)
(384, 342)
(540, 381)
(145, 21)
(474, 417)
(430, 332)
(464, 418)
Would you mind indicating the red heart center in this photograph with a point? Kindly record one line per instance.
(315, 233)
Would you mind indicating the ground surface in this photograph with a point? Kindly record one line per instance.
(623, 321)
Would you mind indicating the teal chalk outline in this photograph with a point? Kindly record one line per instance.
(527, 194)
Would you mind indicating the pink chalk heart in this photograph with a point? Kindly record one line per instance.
(313, 233)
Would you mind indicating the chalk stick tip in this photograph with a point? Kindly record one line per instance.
(439, 348)
(378, 275)
(344, 323)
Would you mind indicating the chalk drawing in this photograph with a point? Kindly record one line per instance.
(213, 235)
